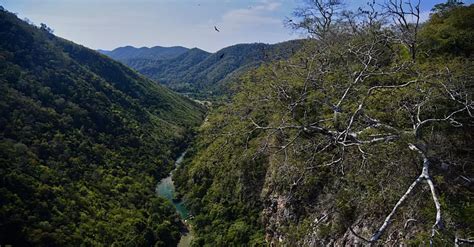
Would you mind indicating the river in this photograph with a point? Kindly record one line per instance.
(166, 189)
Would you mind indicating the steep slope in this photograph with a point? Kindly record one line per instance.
(212, 75)
(83, 140)
(157, 52)
(344, 144)
(204, 75)
(170, 71)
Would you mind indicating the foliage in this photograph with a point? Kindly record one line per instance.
(446, 7)
(268, 161)
(83, 141)
(221, 186)
(450, 33)
(207, 76)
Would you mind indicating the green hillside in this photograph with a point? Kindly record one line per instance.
(203, 75)
(169, 72)
(363, 138)
(83, 141)
(362, 134)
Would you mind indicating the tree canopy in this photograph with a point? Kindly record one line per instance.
(83, 142)
(364, 136)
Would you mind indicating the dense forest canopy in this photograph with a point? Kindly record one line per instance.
(361, 134)
(208, 76)
(83, 141)
(362, 137)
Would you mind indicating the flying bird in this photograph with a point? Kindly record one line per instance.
(215, 28)
(221, 56)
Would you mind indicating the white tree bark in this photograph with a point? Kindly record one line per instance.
(423, 176)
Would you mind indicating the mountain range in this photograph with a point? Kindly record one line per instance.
(198, 73)
(156, 52)
(362, 136)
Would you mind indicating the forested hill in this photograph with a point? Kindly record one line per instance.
(83, 140)
(363, 138)
(205, 75)
(157, 52)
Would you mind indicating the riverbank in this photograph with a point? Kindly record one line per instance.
(186, 238)
(165, 188)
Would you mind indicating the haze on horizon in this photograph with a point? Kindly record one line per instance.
(108, 24)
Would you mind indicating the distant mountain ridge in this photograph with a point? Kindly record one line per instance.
(208, 75)
(156, 52)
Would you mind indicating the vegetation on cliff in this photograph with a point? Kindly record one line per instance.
(365, 135)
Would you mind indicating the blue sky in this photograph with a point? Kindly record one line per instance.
(107, 24)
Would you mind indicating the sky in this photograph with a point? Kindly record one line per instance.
(108, 24)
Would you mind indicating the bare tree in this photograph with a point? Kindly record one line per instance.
(406, 17)
(332, 111)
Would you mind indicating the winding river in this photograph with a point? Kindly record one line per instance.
(166, 189)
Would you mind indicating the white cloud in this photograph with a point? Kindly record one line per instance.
(268, 5)
(99, 24)
(252, 16)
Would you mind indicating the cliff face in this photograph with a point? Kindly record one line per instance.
(344, 211)
(287, 223)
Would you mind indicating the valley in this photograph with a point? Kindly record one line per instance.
(84, 140)
(166, 189)
(200, 74)
(358, 134)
